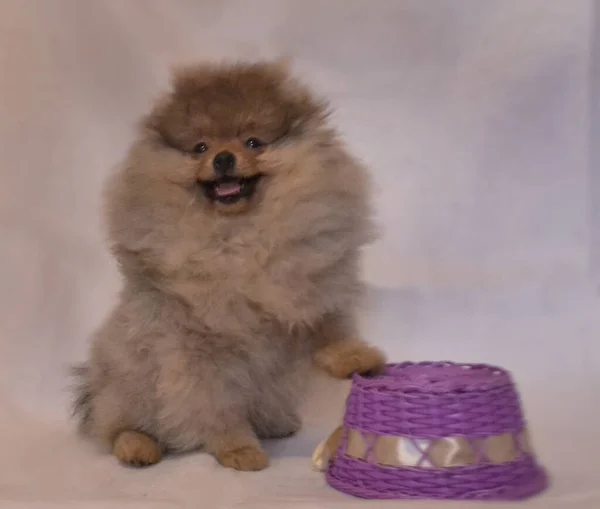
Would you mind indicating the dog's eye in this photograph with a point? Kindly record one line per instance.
(254, 143)
(200, 147)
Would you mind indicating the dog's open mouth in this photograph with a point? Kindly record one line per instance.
(229, 190)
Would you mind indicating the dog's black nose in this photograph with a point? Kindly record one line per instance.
(223, 163)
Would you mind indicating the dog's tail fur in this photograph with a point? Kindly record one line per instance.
(82, 396)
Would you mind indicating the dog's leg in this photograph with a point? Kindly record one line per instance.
(207, 405)
(136, 449)
(237, 447)
(111, 419)
(340, 353)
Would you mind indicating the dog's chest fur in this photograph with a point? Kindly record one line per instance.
(250, 280)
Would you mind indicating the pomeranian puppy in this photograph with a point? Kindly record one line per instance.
(237, 221)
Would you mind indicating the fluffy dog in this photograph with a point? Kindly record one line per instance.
(237, 221)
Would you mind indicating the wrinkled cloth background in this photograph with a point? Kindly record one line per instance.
(479, 119)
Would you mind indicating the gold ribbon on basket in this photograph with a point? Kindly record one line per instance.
(447, 452)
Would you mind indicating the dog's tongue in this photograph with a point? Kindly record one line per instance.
(227, 189)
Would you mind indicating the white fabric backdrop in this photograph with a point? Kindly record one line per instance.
(479, 119)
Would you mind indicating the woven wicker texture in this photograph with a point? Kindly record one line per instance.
(426, 401)
(512, 481)
(435, 400)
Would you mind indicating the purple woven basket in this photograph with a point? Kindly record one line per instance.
(421, 410)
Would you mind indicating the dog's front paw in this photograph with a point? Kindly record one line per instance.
(246, 458)
(344, 358)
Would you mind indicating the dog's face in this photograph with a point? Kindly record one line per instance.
(238, 184)
(227, 123)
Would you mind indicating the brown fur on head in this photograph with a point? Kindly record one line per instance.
(245, 111)
(228, 292)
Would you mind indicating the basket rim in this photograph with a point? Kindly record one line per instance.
(433, 377)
